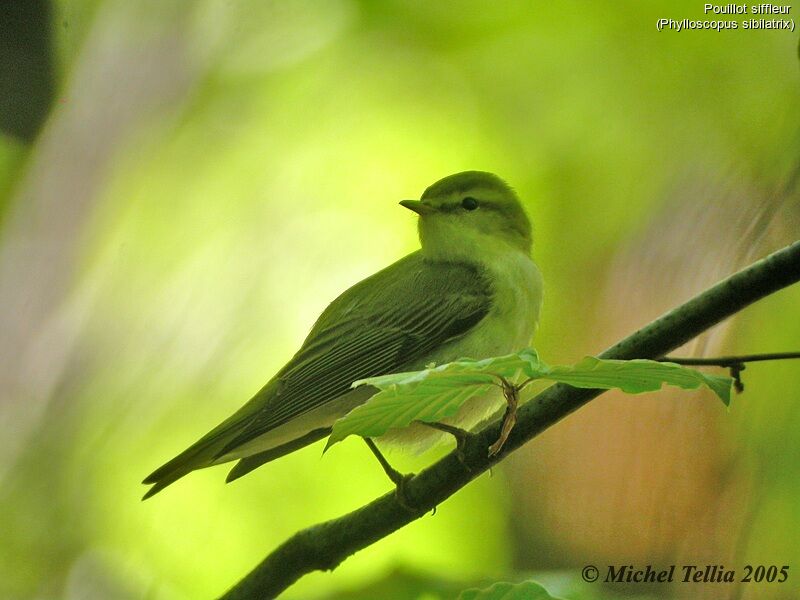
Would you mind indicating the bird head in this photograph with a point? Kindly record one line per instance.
(470, 212)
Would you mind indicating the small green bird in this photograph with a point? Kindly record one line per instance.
(471, 290)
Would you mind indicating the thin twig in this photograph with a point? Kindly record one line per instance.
(735, 364)
(326, 545)
(728, 361)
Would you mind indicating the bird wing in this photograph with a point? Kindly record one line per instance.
(381, 325)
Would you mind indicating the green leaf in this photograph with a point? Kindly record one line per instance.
(438, 392)
(637, 376)
(527, 590)
(429, 395)
(489, 369)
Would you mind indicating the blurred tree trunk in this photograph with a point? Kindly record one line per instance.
(119, 79)
(26, 67)
(27, 81)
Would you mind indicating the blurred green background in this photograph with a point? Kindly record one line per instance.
(184, 186)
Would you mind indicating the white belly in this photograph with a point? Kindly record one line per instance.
(509, 327)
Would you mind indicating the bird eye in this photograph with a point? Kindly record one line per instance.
(469, 203)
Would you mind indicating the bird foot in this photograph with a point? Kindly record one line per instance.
(399, 479)
(462, 436)
(401, 491)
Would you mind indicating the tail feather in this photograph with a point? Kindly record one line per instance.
(245, 465)
(203, 453)
(197, 456)
(167, 480)
(172, 466)
(191, 459)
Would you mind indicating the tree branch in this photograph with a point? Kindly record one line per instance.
(326, 545)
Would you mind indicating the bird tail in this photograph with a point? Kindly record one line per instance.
(197, 456)
(206, 451)
(169, 473)
(203, 453)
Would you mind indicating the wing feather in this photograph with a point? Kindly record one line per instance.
(377, 335)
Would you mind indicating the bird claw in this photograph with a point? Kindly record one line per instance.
(401, 491)
(399, 479)
(462, 437)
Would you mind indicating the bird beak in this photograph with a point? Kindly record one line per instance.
(418, 207)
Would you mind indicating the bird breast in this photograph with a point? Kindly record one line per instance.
(516, 299)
